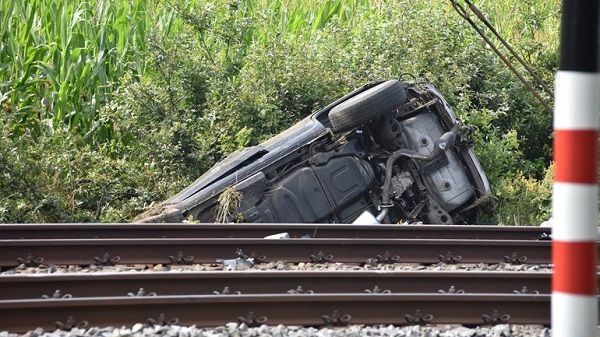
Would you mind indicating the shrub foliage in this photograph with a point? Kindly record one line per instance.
(110, 106)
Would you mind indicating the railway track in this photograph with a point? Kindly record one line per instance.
(309, 310)
(276, 282)
(32, 252)
(179, 230)
(85, 244)
(104, 297)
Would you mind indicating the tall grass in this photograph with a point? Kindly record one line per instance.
(297, 16)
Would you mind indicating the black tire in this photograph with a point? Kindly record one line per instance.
(367, 106)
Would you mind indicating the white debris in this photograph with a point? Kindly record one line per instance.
(547, 223)
(278, 236)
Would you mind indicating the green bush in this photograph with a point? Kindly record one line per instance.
(55, 177)
(524, 201)
(177, 85)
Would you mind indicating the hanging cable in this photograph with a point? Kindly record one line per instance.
(462, 12)
(483, 19)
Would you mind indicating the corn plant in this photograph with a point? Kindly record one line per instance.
(60, 60)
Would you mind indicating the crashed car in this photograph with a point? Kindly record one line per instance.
(388, 152)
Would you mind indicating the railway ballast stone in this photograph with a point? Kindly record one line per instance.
(242, 330)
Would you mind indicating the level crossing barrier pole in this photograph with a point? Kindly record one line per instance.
(575, 189)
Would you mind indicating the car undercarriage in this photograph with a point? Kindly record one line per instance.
(388, 152)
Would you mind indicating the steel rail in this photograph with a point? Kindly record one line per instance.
(312, 310)
(189, 251)
(179, 230)
(34, 286)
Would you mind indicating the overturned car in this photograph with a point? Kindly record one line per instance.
(388, 152)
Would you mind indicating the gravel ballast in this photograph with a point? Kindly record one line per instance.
(241, 330)
(281, 265)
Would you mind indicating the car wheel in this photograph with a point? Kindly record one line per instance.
(367, 106)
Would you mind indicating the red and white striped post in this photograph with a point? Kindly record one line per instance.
(575, 192)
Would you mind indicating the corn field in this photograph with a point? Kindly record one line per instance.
(61, 60)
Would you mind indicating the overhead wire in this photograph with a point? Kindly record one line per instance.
(464, 14)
